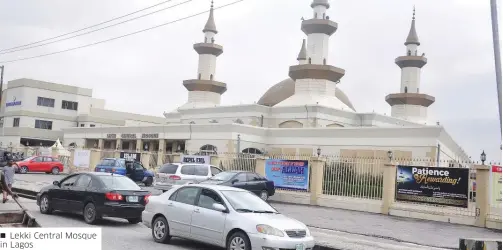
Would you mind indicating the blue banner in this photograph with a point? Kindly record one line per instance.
(288, 174)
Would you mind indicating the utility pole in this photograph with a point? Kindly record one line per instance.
(1, 84)
(497, 53)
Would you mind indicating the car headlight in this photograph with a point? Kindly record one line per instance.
(266, 229)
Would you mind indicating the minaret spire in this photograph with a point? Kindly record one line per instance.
(412, 38)
(210, 24)
(302, 53)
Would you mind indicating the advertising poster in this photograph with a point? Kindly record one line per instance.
(434, 185)
(130, 156)
(496, 185)
(288, 174)
(82, 158)
(201, 159)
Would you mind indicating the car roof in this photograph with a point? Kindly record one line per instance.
(218, 187)
(186, 163)
(103, 174)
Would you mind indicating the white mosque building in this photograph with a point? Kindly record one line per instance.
(299, 115)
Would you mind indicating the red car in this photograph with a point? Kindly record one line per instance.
(45, 164)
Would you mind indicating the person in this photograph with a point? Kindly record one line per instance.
(8, 173)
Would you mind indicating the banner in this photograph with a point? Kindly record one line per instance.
(434, 185)
(288, 174)
(130, 156)
(82, 158)
(496, 185)
(201, 159)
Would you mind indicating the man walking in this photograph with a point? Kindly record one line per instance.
(7, 179)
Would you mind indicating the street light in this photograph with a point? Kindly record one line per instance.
(318, 151)
(390, 155)
(483, 157)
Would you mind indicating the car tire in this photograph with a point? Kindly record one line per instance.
(149, 181)
(55, 170)
(264, 195)
(90, 214)
(23, 170)
(134, 220)
(239, 240)
(45, 204)
(160, 230)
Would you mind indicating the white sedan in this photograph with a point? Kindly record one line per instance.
(223, 216)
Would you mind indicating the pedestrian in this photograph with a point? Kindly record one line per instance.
(8, 173)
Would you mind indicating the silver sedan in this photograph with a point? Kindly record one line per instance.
(223, 216)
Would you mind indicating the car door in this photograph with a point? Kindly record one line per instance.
(255, 184)
(240, 181)
(180, 209)
(187, 174)
(47, 165)
(79, 193)
(36, 164)
(208, 224)
(201, 173)
(60, 195)
(139, 171)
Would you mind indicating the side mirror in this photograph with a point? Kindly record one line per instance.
(219, 207)
(234, 181)
(55, 183)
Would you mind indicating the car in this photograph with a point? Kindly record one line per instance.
(171, 174)
(223, 216)
(44, 164)
(95, 195)
(118, 166)
(250, 181)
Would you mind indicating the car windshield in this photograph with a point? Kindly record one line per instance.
(119, 182)
(223, 176)
(246, 202)
(168, 169)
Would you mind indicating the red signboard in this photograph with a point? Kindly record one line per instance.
(496, 169)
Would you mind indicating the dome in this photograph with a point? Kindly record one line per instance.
(286, 88)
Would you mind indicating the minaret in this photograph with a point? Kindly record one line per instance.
(410, 104)
(315, 79)
(205, 91)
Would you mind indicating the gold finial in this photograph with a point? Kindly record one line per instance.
(414, 13)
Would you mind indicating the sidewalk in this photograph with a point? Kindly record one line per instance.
(398, 229)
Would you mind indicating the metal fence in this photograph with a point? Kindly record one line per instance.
(237, 161)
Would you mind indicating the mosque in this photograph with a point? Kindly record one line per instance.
(306, 113)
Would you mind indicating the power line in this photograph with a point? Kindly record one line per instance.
(92, 31)
(92, 26)
(119, 37)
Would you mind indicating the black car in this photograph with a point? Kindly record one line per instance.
(250, 181)
(95, 195)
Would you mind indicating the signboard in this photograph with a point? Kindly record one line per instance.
(433, 185)
(82, 158)
(149, 136)
(202, 159)
(288, 174)
(128, 136)
(13, 103)
(111, 136)
(130, 156)
(496, 185)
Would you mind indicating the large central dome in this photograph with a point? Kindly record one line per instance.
(286, 88)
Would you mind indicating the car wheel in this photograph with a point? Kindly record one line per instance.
(160, 230)
(134, 220)
(149, 181)
(55, 170)
(45, 204)
(264, 195)
(23, 170)
(239, 241)
(90, 214)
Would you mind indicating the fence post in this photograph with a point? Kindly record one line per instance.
(260, 165)
(95, 158)
(70, 161)
(214, 160)
(388, 187)
(482, 199)
(145, 159)
(317, 167)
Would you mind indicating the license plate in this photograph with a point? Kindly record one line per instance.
(132, 198)
(300, 247)
(102, 170)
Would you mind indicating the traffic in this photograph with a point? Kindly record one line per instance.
(199, 202)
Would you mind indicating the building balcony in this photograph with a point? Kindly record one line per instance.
(208, 48)
(205, 85)
(411, 61)
(410, 99)
(316, 71)
(323, 26)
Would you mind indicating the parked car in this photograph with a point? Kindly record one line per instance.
(118, 166)
(95, 195)
(223, 216)
(44, 164)
(250, 181)
(6, 155)
(171, 174)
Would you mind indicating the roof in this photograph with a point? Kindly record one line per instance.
(302, 53)
(210, 24)
(412, 38)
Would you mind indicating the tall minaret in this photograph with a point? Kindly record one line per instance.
(205, 91)
(409, 104)
(315, 79)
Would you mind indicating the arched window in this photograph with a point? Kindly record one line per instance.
(208, 149)
(309, 60)
(199, 76)
(239, 121)
(252, 151)
(334, 125)
(211, 77)
(324, 61)
(409, 53)
(405, 89)
(291, 124)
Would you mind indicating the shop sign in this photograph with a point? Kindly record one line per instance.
(13, 103)
(128, 136)
(149, 136)
(111, 136)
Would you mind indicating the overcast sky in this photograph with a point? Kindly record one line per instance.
(261, 38)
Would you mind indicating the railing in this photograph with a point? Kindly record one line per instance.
(237, 161)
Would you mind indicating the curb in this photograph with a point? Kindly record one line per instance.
(25, 193)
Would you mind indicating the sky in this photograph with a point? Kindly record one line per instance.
(143, 73)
